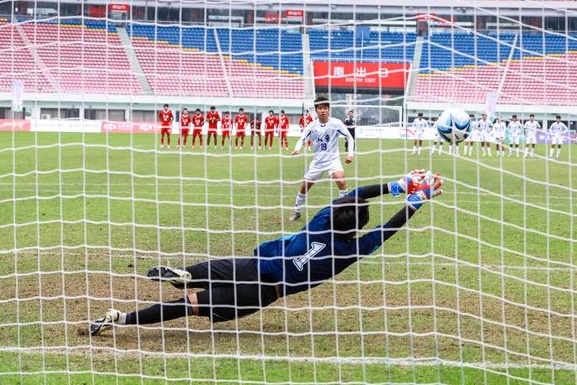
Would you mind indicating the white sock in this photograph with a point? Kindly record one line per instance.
(300, 199)
(558, 152)
(489, 151)
(551, 152)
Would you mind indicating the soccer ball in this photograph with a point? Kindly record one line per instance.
(453, 125)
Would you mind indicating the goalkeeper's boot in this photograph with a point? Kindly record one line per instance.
(176, 277)
(105, 322)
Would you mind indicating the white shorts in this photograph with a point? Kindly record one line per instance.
(486, 137)
(315, 172)
(531, 139)
(513, 140)
(499, 139)
(556, 139)
(474, 137)
(418, 135)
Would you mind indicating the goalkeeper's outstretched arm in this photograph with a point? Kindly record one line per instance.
(428, 187)
(408, 184)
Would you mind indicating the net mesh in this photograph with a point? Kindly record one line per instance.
(477, 288)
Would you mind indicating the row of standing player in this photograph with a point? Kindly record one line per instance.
(487, 132)
(273, 125)
(321, 134)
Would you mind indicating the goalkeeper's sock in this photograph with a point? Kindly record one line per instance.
(160, 312)
(121, 318)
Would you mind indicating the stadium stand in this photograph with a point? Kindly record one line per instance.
(228, 62)
(186, 61)
(465, 67)
(83, 58)
(395, 47)
(17, 62)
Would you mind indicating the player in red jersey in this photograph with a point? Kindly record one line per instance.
(165, 117)
(225, 125)
(270, 126)
(197, 123)
(255, 129)
(284, 123)
(304, 121)
(184, 127)
(240, 121)
(213, 118)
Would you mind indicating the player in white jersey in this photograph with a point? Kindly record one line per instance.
(438, 139)
(324, 133)
(531, 128)
(469, 142)
(558, 131)
(420, 125)
(499, 128)
(514, 129)
(485, 127)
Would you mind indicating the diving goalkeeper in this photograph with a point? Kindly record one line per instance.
(236, 287)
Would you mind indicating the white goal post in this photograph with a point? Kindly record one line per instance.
(479, 287)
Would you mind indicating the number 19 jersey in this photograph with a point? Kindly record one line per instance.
(325, 140)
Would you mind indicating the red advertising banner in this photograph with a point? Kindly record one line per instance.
(96, 11)
(361, 75)
(296, 13)
(119, 7)
(14, 125)
(129, 127)
(271, 17)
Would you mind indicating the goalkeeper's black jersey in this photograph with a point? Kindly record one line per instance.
(350, 122)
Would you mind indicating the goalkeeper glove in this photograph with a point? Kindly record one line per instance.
(407, 184)
(427, 189)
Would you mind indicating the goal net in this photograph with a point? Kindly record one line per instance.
(477, 288)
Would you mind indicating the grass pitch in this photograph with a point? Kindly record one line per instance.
(479, 288)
